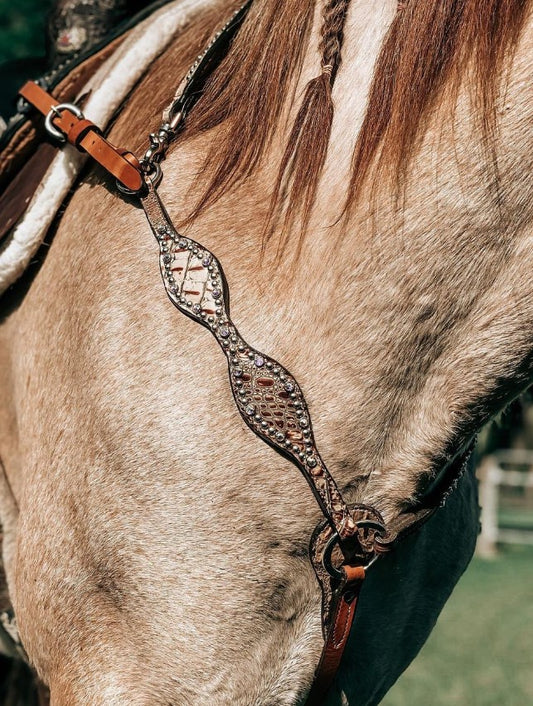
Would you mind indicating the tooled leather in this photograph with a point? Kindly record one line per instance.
(267, 395)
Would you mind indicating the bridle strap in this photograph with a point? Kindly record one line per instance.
(66, 122)
(337, 635)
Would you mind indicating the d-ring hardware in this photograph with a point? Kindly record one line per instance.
(327, 563)
(153, 174)
(55, 112)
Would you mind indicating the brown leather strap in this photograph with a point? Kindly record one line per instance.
(341, 622)
(86, 136)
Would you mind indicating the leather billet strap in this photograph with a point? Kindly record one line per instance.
(343, 605)
(66, 122)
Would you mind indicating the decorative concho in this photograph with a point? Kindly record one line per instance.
(268, 397)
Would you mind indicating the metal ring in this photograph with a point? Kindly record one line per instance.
(379, 527)
(332, 570)
(326, 558)
(55, 112)
(155, 176)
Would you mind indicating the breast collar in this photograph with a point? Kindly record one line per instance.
(351, 537)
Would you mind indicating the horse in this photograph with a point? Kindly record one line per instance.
(363, 172)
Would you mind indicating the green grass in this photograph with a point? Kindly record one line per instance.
(481, 651)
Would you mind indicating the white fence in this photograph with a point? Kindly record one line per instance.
(496, 471)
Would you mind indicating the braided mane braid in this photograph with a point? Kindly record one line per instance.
(330, 47)
(306, 149)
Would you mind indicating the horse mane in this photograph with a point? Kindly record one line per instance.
(430, 46)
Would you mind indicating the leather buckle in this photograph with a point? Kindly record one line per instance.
(55, 112)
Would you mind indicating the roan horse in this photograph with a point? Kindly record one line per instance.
(155, 550)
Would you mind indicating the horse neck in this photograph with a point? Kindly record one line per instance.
(388, 304)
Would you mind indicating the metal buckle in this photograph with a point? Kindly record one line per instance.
(55, 112)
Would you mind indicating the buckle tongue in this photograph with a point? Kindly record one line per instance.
(55, 112)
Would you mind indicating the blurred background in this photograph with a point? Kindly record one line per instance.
(480, 653)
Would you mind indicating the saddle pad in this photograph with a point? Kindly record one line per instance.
(101, 96)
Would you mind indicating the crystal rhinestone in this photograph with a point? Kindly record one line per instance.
(197, 308)
(161, 230)
(224, 331)
(167, 259)
(259, 361)
(289, 386)
(237, 372)
(311, 461)
(216, 293)
(206, 261)
(250, 410)
(182, 243)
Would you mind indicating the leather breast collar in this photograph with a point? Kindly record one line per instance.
(268, 397)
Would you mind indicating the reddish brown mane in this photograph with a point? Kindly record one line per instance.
(428, 50)
(428, 47)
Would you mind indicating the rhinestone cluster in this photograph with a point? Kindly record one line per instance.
(267, 395)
